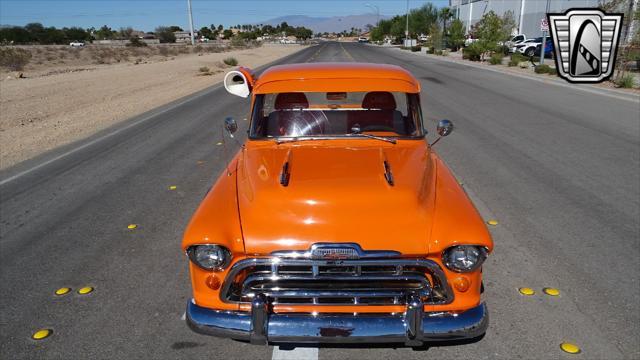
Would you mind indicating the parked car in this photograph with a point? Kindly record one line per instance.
(76, 44)
(548, 48)
(528, 47)
(287, 41)
(517, 39)
(336, 221)
(363, 39)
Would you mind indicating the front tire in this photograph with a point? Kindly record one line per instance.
(529, 52)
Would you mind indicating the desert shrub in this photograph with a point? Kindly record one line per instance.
(163, 50)
(438, 52)
(626, 81)
(472, 52)
(182, 49)
(198, 49)
(523, 65)
(416, 48)
(542, 69)
(204, 69)
(135, 42)
(14, 59)
(214, 49)
(516, 58)
(237, 41)
(496, 58)
(231, 61)
(552, 71)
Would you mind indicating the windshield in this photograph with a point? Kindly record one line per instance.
(335, 114)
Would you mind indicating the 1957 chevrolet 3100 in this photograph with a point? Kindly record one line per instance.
(336, 222)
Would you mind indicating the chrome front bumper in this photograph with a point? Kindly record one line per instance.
(412, 328)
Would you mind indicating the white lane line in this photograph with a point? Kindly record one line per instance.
(184, 316)
(298, 353)
(105, 136)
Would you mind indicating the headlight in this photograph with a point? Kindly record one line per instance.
(464, 258)
(209, 257)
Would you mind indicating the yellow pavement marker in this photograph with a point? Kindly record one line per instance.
(219, 144)
(551, 291)
(85, 290)
(132, 226)
(41, 334)
(492, 222)
(172, 187)
(570, 348)
(63, 291)
(526, 291)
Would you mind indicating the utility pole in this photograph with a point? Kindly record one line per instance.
(544, 38)
(406, 31)
(193, 40)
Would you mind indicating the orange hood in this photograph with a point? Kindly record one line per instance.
(337, 192)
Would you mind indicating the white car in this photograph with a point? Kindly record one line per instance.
(517, 39)
(528, 47)
(287, 41)
(76, 44)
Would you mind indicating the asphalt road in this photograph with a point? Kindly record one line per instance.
(559, 168)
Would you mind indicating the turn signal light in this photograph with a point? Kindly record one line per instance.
(461, 284)
(213, 282)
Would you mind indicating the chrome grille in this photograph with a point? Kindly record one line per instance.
(336, 282)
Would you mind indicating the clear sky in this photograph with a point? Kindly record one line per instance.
(148, 14)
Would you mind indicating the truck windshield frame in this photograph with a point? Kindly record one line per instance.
(336, 115)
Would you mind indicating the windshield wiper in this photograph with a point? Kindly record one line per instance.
(382, 138)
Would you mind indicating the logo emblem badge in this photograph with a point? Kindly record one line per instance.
(585, 43)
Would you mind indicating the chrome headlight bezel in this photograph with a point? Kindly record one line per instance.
(476, 252)
(196, 253)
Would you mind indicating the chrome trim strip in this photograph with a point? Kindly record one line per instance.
(318, 247)
(343, 328)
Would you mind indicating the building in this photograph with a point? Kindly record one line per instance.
(184, 36)
(527, 13)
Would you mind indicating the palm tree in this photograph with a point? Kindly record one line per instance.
(444, 15)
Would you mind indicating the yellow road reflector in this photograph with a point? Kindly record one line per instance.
(132, 226)
(219, 143)
(63, 291)
(85, 290)
(570, 348)
(172, 187)
(492, 222)
(551, 291)
(526, 291)
(41, 334)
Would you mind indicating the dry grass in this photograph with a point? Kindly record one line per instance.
(47, 58)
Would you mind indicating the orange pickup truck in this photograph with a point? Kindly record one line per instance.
(336, 222)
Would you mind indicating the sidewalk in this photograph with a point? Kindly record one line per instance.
(605, 88)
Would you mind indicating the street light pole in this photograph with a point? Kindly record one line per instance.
(193, 41)
(406, 31)
(377, 9)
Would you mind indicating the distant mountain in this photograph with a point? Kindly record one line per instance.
(326, 24)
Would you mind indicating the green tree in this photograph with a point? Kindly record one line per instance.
(206, 32)
(165, 34)
(456, 34)
(489, 32)
(435, 37)
(105, 33)
(445, 15)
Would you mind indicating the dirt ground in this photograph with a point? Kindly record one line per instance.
(60, 102)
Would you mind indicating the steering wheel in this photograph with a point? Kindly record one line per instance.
(378, 128)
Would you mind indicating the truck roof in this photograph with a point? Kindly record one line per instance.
(336, 77)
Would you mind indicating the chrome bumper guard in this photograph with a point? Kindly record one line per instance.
(412, 328)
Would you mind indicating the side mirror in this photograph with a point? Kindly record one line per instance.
(444, 128)
(230, 125)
